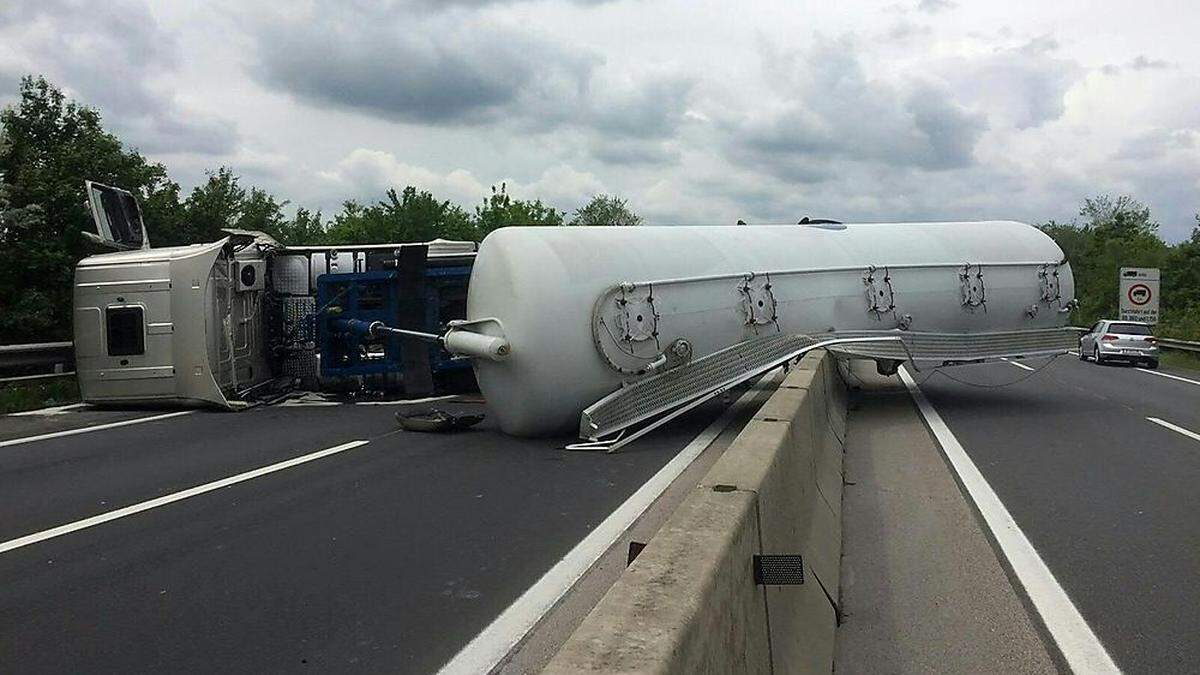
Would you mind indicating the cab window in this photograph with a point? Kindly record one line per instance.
(126, 332)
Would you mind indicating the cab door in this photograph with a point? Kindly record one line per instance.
(117, 216)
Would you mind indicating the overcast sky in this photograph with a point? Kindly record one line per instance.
(697, 112)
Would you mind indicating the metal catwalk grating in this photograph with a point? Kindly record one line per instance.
(658, 394)
(943, 347)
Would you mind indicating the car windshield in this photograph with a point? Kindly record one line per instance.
(1129, 329)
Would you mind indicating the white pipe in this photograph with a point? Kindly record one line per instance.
(476, 345)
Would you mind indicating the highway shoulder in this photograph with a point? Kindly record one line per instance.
(922, 589)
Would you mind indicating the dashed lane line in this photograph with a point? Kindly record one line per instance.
(172, 498)
(1175, 428)
(1022, 366)
(96, 427)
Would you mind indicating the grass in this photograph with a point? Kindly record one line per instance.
(34, 394)
(1174, 358)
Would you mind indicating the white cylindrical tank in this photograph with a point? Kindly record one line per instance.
(546, 286)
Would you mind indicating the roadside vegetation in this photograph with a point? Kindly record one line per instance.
(34, 394)
(1112, 233)
(1178, 359)
(49, 145)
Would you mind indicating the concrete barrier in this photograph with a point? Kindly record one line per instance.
(689, 603)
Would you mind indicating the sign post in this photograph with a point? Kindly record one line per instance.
(1139, 294)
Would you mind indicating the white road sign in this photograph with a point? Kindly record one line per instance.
(1139, 294)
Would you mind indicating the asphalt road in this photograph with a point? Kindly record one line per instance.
(387, 556)
(1110, 500)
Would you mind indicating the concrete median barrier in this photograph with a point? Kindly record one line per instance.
(690, 602)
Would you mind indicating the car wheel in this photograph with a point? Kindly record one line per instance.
(1152, 364)
(1096, 355)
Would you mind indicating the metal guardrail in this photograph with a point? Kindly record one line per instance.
(20, 362)
(1183, 345)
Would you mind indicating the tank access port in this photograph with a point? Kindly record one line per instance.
(887, 367)
(457, 340)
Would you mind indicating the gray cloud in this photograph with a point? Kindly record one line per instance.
(833, 111)
(431, 70)
(935, 6)
(107, 55)
(1156, 143)
(652, 108)
(460, 70)
(1138, 63)
(1024, 86)
(632, 152)
(1141, 62)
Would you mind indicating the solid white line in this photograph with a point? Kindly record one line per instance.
(98, 427)
(484, 652)
(1019, 365)
(1072, 353)
(1079, 645)
(1172, 427)
(1173, 377)
(171, 498)
(55, 410)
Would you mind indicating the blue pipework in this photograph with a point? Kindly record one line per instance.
(347, 305)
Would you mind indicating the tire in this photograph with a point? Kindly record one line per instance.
(1152, 365)
(1096, 356)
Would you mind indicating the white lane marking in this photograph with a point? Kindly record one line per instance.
(55, 410)
(495, 642)
(1173, 377)
(413, 401)
(98, 427)
(1019, 365)
(301, 403)
(1172, 427)
(171, 498)
(1072, 353)
(1079, 645)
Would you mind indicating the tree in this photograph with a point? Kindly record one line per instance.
(1122, 217)
(606, 210)
(1120, 233)
(304, 228)
(410, 215)
(501, 210)
(51, 145)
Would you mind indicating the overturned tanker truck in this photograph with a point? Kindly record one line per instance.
(608, 330)
(617, 329)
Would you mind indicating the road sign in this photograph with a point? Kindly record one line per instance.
(1139, 294)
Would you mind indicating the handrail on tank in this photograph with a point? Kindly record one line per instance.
(822, 270)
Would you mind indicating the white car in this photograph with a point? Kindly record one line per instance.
(1128, 341)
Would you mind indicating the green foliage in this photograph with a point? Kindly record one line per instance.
(304, 228)
(410, 215)
(51, 145)
(1118, 233)
(606, 210)
(34, 394)
(501, 210)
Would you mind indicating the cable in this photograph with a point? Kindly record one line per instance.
(1035, 371)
